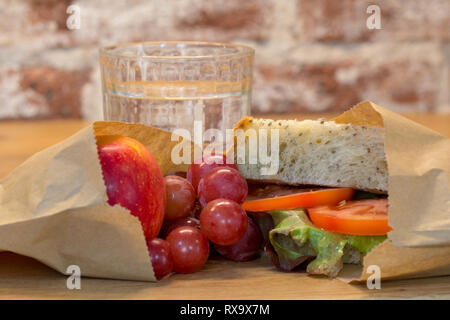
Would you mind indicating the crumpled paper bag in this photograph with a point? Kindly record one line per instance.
(419, 198)
(54, 207)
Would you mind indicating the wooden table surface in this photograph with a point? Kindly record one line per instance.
(25, 278)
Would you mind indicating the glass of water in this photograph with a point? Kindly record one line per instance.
(172, 84)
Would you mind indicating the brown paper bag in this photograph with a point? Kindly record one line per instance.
(419, 197)
(53, 207)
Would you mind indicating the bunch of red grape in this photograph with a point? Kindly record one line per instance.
(202, 209)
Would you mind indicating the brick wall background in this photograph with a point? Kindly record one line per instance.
(311, 55)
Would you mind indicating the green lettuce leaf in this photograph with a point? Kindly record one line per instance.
(295, 239)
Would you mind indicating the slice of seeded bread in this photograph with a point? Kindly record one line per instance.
(319, 152)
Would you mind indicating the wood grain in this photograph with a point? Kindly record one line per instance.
(25, 278)
(21, 139)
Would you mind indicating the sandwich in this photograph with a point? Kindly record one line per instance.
(330, 201)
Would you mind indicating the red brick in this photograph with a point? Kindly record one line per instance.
(46, 92)
(399, 85)
(328, 20)
(236, 19)
(60, 88)
(50, 10)
(35, 24)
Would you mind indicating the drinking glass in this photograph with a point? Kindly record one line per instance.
(171, 84)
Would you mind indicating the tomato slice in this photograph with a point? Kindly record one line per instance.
(360, 217)
(310, 199)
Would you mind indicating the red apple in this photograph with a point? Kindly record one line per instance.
(133, 180)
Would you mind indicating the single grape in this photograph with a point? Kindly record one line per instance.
(161, 257)
(245, 249)
(190, 249)
(222, 183)
(170, 225)
(180, 197)
(196, 171)
(223, 221)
